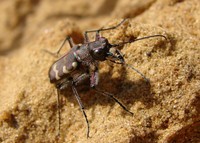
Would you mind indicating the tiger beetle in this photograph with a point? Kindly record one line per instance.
(80, 64)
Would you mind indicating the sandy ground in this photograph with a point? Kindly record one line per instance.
(166, 110)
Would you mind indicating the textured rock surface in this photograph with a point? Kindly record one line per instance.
(167, 110)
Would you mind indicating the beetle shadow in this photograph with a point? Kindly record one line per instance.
(127, 91)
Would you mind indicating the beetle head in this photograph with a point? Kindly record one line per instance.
(99, 49)
(102, 50)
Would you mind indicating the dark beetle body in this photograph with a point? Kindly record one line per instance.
(80, 64)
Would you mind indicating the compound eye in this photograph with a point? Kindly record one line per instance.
(99, 54)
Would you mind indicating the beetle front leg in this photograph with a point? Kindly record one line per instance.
(97, 36)
(94, 78)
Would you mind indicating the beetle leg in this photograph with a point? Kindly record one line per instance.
(68, 38)
(97, 35)
(58, 111)
(114, 27)
(94, 78)
(81, 79)
(81, 107)
(63, 85)
(101, 29)
(112, 97)
(58, 51)
(70, 42)
(86, 39)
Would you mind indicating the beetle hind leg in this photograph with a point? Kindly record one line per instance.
(56, 54)
(112, 97)
(68, 38)
(81, 107)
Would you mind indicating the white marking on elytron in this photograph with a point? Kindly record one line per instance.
(65, 69)
(56, 72)
(74, 64)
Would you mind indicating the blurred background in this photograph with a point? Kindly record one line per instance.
(20, 20)
(166, 111)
